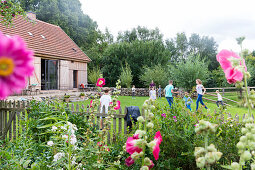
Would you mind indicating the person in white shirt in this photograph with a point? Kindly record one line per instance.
(133, 92)
(200, 93)
(105, 101)
(219, 98)
(153, 94)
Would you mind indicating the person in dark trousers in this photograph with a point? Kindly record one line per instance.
(200, 93)
(168, 93)
(159, 91)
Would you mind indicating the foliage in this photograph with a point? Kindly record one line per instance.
(94, 74)
(8, 10)
(156, 73)
(126, 76)
(181, 47)
(217, 79)
(186, 72)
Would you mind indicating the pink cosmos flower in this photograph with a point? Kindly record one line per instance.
(91, 103)
(106, 148)
(130, 145)
(156, 149)
(163, 115)
(129, 161)
(232, 74)
(174, 117)
(117, 106)
(100, 82)
(16, 65)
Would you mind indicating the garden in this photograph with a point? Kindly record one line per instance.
(58, 134)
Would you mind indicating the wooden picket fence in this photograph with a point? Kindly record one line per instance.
(13, 112)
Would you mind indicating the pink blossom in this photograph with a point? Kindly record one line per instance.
(129, 161)
(16, 65)
(130, 145)
(163, 115)
(195, 125)
(117, 106)
(91, 103)
(151, 166)
(174, 117)
(175, 120)
(156, 149)
(100, 82)
(232, 74)
(99, 144)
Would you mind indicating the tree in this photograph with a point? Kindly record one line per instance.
(8, 10)
(126, 76)
(186, 72)
(156, 73)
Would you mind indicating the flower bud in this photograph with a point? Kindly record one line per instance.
(240, 145)
(140, 143)
(243, 139)
(199, 151)
(144, 168)
(140, 132)
(217, 155)
(147, 161)
(246, 155)
(200, 162)
(151, 115)
(251, 145)
(151, 144)
(211, 148)
(135, 156)
(252, 166)
(235, 166)
(250, 136)
(145, 106)
(153, 107)
(209, 157)
(150, 125)
(140, 119)
(247, 74)
(244, 130)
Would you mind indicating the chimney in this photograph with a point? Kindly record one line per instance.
(31, 16)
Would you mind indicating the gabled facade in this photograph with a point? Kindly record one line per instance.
(59, 62)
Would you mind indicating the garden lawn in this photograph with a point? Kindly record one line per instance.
(138, 101)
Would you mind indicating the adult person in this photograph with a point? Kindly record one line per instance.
(168, 91)
(200, 93)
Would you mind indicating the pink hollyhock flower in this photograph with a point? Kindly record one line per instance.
(130, 145)
(151, 166)
(129, 161)
(232, 74)
(100, 82)
(156, 149)
(91, 103)
(99, 144)
(117, 106)
(16, 65)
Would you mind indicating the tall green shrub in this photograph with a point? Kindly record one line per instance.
(187, 71)
(126, 76)
(93, 75)
(156, 73)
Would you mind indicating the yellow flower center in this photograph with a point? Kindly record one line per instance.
(6, 66)
(100, 82)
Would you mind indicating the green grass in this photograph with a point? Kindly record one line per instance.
(138, 101)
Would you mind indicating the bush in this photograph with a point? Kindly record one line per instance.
(156, 73)
(186, 72)
(94, 75)
(126, 76)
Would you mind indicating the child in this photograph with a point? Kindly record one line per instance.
(159, 91)
(105, 102)
(187, 100)
(133, 92)
(219, 98)
(153, 93)
(200, 93)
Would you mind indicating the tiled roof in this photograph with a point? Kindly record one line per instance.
(47, 40)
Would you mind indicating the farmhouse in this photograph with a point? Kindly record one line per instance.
(59, 62)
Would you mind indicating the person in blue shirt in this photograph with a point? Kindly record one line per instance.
(187, 100)
(168, 93)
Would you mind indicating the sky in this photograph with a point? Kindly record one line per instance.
(224, 20)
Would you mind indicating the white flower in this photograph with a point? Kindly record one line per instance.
(50, 143)
(140, 119)
(150, 125)
(73, 162)
(54, 128)
(63, 127)
(58, 156)
(65, 136)
(73, 139)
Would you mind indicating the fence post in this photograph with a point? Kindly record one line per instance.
(223, 90)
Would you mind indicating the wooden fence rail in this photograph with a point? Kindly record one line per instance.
(13, 112)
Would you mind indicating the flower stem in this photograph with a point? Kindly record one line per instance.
(145, 129)
(206, 145)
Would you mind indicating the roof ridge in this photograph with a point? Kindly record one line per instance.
(47, 23)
